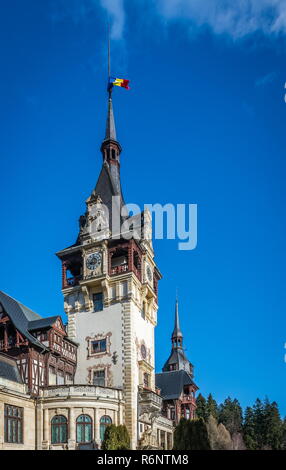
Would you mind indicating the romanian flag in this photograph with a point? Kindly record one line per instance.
(118, 82)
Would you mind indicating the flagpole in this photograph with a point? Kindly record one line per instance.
(109, 72)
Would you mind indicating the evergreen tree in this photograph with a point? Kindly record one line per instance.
(110, 438)
(116, 438)
(191, 435)
(249, 430)
(259, 423)
(284, 435)
(201, 410)
(273, 426)
(212, 407)
(230, 414)
(181, 439)
(198, 435)
(123, 438)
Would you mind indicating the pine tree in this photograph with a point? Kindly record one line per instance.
(230, 414)
(273, 426)
(212, 407)
(259, 423)
(201, 410)
(249, 430)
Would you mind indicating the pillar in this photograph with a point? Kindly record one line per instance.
(72, 430)
(96, 427)
(46, 430)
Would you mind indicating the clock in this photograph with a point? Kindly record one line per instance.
(93, 261)
(149, 273)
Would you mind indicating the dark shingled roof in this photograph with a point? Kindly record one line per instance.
(21, 316)
(42, 323)
(178, 358)
(172, 383)
(9, 369)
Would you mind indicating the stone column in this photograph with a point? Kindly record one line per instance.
(46, 430)
(72, 430)
(96, 427)
(166, 440)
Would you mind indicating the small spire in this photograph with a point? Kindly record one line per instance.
(110, 133)
(177, 331)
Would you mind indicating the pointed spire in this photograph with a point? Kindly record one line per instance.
(110, 132)
(177, 331)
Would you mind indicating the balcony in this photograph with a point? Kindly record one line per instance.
(89, 391)
(149, 401)
(72, 281)
(122, 268)
(189, 399)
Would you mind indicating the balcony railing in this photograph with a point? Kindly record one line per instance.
(150, 399)
(73, 281)
(122, 268)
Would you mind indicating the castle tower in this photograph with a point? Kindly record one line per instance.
(176, 381)
(110, 288)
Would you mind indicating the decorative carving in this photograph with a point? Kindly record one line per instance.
(108, 373)
(98, 337)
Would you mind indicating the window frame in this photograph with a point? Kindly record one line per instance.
(59, 426)
(104, 377)
(14, 419)
(103, 424)
(84, 425)
(97, 302)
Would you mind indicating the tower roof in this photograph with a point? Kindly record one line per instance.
(177, 359)
(110, 131)
(177, 331)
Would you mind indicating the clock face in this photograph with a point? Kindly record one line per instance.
(143, 351)
(93, 261)
(149, 273)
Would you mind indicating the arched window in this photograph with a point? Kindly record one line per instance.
(59, 425)
(104, 422)
(83, 429)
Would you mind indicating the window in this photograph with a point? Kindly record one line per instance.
(143, 315)
(146, 380)
(99, 378)
(61, 378)
(98, 302)
(13, 422)
(69, 378)
(52, 376)
(104, 422)
(98, 346)
(59, 427)
(83, 429)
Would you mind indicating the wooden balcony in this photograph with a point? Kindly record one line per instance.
(122, 268)
(72, 281)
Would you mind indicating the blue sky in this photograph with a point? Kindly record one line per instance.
(204, 123)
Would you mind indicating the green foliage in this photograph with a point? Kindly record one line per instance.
(191, 435)
(230, 414)
(201, 410)
(212, 407)
(116, 438)
(263, 427)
